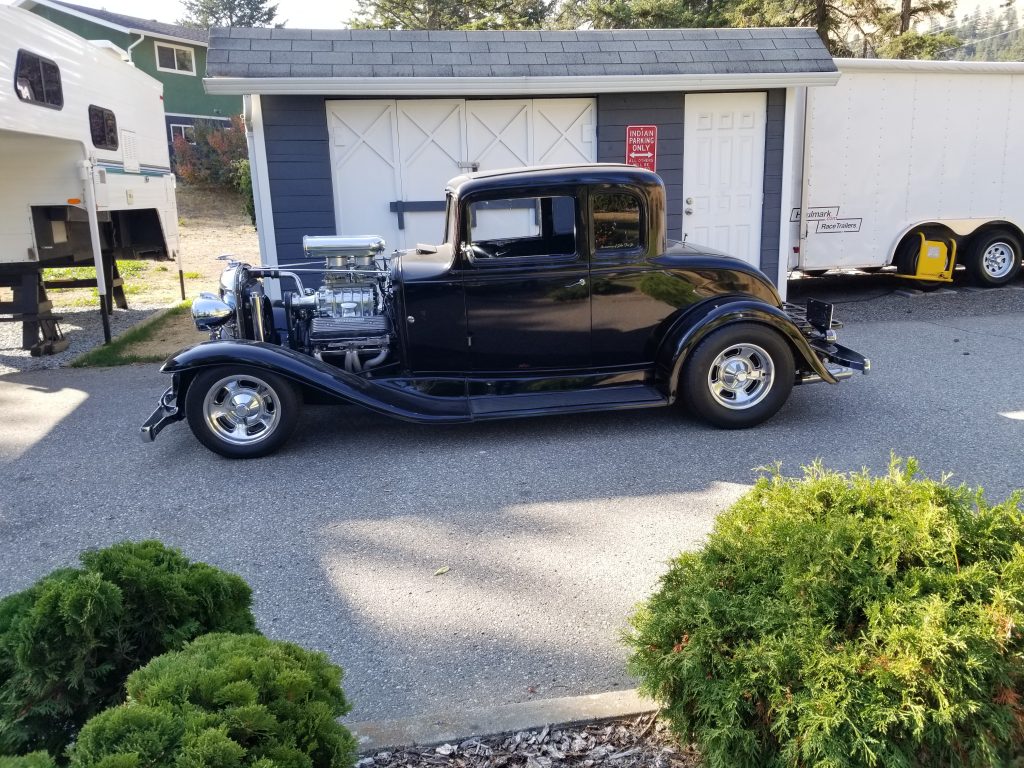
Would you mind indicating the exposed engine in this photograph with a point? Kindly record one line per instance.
(346, 321)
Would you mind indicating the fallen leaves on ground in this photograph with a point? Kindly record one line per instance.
(641, 742)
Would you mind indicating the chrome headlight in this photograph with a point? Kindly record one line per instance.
(209, 312)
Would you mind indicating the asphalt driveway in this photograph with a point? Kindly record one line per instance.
(552, 529)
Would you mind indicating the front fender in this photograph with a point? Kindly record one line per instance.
(391, 397)
(694, 326)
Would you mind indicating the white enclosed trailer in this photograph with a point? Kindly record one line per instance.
(84, 169)
(918, 164)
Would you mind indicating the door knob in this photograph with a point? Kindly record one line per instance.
(688, 211)
(689, 201)
(578, 284)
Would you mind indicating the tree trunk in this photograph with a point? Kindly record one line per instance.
(821, 20)
(904, 16)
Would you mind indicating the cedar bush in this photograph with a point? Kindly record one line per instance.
(68, 642)
(845, 621)
(32, 760)
(225, 701)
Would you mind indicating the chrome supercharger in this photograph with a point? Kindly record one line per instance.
(346, 320)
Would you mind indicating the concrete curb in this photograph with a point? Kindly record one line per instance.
(454, 726)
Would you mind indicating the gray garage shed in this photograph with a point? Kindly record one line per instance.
(357, 131)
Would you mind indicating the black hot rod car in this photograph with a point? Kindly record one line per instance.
(555, 291)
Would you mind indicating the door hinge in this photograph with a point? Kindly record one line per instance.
(469, 340)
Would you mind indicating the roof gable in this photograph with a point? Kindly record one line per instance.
(149, 27)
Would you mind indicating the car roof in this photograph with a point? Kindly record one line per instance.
(553, 175)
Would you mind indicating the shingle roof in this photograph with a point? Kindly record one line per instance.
(144, 25)
(344, 53)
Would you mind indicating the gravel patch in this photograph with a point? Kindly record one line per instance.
(642, 742)
(81, 325)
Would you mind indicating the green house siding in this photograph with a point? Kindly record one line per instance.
(183, 93)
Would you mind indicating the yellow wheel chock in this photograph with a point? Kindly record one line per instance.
(935, 260)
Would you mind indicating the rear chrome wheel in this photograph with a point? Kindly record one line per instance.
(741, 376)
(738, 376)
(993, 258)
(241, 412)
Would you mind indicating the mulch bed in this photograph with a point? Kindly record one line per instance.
(642, 742)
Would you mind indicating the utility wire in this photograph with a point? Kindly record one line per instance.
(981, 40)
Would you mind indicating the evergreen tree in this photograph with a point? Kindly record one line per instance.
(228, 13)
(452, 14)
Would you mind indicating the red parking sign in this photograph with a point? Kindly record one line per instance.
(642, 146)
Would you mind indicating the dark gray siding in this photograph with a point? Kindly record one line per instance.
(299, 166)
(617, 110)
(771, 209)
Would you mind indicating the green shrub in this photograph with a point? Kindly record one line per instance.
(68, 643)
(32, 760)
(225, 701)
(241, 179)
(845, 621)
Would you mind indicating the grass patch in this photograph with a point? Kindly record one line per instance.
(128, 268)
(193, 275)
(115, 353)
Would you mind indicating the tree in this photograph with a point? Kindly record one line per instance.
(646, 14)
(228, 13)
(451, 14)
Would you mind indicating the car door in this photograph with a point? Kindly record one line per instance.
(527, 283)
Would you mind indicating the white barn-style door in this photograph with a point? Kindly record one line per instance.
(389, 154)
(723, 171)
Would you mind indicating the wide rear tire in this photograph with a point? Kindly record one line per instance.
(993, 258)
(739, 376)
(241, 412)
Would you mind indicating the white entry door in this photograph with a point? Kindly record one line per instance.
(723, 172)
(392, 158)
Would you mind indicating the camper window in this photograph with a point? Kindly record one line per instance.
(175, 58)
(38, 81)
(103, 126)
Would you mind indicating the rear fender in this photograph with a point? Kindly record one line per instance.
(694, 326)
(391, 397)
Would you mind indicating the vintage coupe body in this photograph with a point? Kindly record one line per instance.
(555, 291)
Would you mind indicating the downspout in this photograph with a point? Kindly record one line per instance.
(85, 174)
(130, 47)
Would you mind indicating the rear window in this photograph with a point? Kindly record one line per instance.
(617, 222)
(103, 126)
(37, 81)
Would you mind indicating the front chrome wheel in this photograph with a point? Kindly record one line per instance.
(242, 409)
(740, 377)
(241, 412)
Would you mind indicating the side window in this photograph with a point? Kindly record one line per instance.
(103, 127)
(186, 132)
(617, 222)
(523, 226)
(175, 58)
(37, 81)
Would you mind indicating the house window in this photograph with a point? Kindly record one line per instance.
(103, 127)
(186, 132)
(175, 58)
(37, 81)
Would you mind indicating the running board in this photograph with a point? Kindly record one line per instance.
(569, 401)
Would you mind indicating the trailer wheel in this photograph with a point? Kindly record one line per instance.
(994, 257)
(241, 412)
(739, 376)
